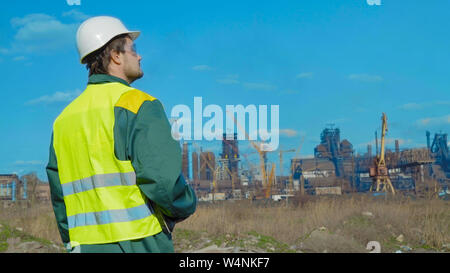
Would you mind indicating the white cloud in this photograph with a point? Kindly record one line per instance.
(19, 58)
(305, 75)
(38, 27)
(202, 67)
(75, 14)
(365, 78)
(30, 162)
(422, 105)
(288, 132)
(56, 97)
(40, 32)
(229, 79)
(433, 121)
(259, 86)
(411, 106)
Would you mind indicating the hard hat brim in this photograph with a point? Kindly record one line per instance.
(133, 35)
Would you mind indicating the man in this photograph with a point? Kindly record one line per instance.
(114, 169)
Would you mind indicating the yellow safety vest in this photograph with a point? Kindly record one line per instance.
(103, 202)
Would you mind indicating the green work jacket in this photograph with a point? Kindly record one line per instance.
(144, 138)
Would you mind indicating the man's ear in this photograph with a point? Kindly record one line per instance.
(115, 57)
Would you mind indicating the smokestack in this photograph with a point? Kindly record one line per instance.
(185, 161)
(195, 166)
(376, 143)
(397, 150)
(369, 150)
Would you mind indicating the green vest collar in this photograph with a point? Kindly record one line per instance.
(104, 78)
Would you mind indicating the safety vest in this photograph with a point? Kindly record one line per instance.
(103, 202)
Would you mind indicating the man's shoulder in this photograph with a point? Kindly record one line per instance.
(133, 99)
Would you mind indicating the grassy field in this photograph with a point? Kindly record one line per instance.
(348, 222)
(307, 224)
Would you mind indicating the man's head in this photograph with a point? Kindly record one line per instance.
(106, 46)
(118, 58)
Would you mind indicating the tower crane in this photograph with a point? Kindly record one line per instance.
(214, 189)
(259, 147)
(281, 152)
(270, 181)
(379, 172)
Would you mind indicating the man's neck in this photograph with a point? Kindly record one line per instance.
(119, 75)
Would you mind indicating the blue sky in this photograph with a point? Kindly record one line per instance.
(342, 62)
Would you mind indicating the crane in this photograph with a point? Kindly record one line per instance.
(206, 162)
(281, 152)
(233, 178)
(259, 147)
(291, 182)
(214, 189)
(380, 172)
(262, 162)
(270, 181)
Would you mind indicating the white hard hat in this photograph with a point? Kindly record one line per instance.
(97, 31)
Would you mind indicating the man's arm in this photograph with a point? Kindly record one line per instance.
(59, 208)
(155, 156)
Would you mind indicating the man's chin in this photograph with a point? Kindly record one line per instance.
(137, 76)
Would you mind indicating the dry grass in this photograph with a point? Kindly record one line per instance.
(424, 223)
(37, 220)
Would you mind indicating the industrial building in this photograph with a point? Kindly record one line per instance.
(207, 165)
(13, 189)
(210, 173)
(439, 150)
(229, 156)
(10, 187)
(334, 169)
(335, 164)
(338, 152)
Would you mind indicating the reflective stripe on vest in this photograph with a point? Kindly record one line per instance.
(108, 216)
(103, 202)
(99, 181)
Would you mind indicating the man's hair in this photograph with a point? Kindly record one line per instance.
(98, 61)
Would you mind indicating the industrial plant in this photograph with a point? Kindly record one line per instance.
(334, 169)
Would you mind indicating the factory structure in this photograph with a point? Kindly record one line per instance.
(210, 175)
(334, 169)
(15, 189)
(335, 164)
